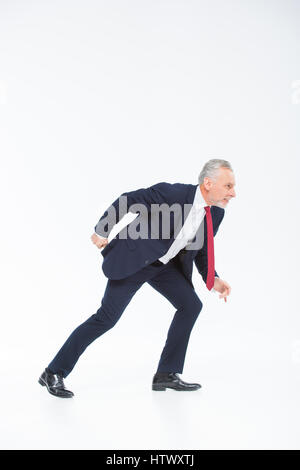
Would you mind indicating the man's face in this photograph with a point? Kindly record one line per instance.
(221, 189)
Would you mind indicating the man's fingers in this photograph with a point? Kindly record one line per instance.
(225, 294)
(100, 242)
(102, 245)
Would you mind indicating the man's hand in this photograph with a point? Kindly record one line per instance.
(223, 287)
(100, 242)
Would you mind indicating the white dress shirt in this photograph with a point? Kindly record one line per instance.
(189, 228)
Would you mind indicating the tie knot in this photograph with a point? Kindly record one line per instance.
(207, 208)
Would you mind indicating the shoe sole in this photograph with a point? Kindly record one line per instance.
(161, 388)
(43, 384)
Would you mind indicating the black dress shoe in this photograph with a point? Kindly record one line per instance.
(55, 384)
(164, 380)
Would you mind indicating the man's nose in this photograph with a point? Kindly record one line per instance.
(232, 193)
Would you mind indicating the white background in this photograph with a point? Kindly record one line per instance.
(98, 98)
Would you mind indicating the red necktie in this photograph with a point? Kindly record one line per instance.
(210, 280)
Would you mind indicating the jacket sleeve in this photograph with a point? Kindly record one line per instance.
(201, 258)
(155, 194)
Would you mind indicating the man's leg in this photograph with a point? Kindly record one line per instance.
(117, 296)
(172, 284)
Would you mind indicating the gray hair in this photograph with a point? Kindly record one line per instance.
(211, 168)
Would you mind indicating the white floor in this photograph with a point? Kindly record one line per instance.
(240, 406)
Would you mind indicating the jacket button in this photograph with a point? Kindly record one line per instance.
(147, 261)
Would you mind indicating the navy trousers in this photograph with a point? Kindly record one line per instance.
(166, 279)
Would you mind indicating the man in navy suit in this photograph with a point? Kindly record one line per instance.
(174, 228)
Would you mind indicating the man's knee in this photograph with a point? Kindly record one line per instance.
(197, 305)
(194, 306)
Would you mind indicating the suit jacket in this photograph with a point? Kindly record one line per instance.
(124, 256)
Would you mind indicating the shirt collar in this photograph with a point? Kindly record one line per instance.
(199, 200)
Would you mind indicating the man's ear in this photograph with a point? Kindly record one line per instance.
(207, 183)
